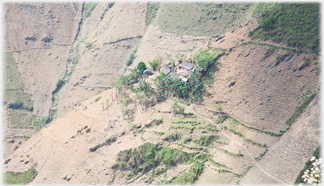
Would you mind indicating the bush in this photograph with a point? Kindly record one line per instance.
(156, 63)
(97, 99)
(140, 67)
(20, 177)
(59, 84)
(148, 156)
(131, 57)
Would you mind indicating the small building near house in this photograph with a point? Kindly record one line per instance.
(148, 71)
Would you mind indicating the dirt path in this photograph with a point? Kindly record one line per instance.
(256, 163)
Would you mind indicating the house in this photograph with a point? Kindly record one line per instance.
(186, 68)
(186, 65)
(165, 70)
(148, 71)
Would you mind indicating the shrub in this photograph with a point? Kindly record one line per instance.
(131, 57)
(148, 156)
(140, 67)
(156, 63)
(97, 99)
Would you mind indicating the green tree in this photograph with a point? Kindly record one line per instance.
(140, 67)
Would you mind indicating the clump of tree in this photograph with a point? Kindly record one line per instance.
(148, 156)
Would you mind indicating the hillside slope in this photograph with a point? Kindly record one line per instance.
(287, 157)
(40, 36)
(257, 121)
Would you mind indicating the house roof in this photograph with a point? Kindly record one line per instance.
(174, 75)
(165, 70)
(186, 65)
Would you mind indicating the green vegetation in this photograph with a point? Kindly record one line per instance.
(156, 63)
(108, 141)
(88, 8)
(59, 84)
(182, 127)
(199, 18)
(261, 8)
(295, 24)
(20, 177)
(140, 67)
(262, 131)
(191, 148)
(190, 176)
(206, 140)
(97, 99)
(261, 154)
(308, 165)
(148, 156)
(40, 122)
(151, 11)
(167, 86)
(19, 103)
(131, 57)
(172, 137)
(160, 133)
(298, 111)
(206, 58)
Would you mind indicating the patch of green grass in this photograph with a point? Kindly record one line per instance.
(20, 177)
(295, 24)
(152, 8)
(308, 165)
(20, 104)
(20, 118)
(14, 88)
(40, 122)
(88, 8)
(198, 18)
